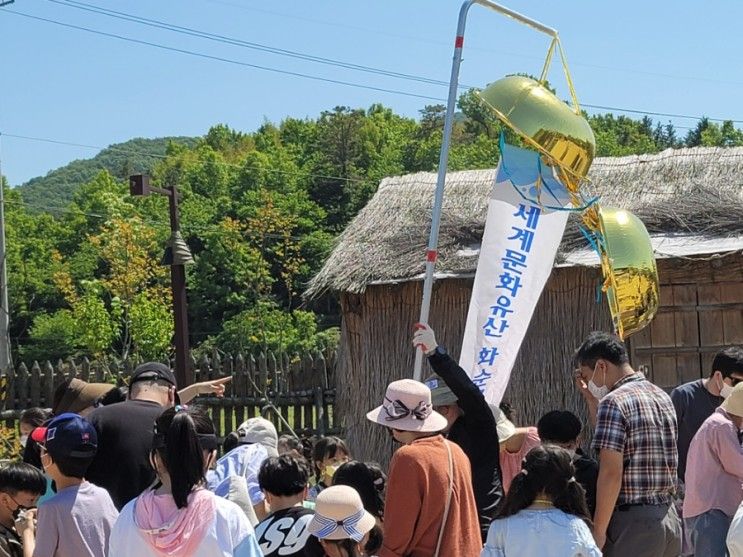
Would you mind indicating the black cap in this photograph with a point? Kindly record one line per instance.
(153, 371)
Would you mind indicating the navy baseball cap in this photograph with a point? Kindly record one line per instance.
(153, 371)
(67, 435)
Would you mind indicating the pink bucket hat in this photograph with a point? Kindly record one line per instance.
(407, 407)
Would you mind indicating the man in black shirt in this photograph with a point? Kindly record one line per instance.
(562, 428)
(697, 400)
(122, 463)
(472, 425)
(283, 480)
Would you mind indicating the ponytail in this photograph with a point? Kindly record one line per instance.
(573, 501)
(181, 436)
(548, 469)
(520, 495)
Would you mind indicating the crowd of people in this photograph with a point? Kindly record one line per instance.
(135, 472)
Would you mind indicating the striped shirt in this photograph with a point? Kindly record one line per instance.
(638, 420)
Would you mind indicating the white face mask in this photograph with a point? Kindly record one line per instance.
(23, 440)
(725, 390)
(598, 392)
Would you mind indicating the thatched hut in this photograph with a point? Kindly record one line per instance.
(691, 201)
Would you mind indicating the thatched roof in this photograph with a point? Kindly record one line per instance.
(696, 192)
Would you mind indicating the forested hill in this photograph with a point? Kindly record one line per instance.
(138, 155)
(259, 211)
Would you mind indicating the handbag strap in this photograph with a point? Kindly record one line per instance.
(448, 498)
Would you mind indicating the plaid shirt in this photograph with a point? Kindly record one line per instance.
(638, 420)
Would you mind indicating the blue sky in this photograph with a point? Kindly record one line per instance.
(63, 84)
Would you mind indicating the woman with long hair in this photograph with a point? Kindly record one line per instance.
(544, 513)
(178, 517)
(369, 481)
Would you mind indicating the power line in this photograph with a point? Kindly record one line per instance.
(163, 157)
(501, 52)
(322, 60)
(239, 42)
(348, 65)
(223, 59)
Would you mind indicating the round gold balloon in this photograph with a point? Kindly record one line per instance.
(630, 272)
(545, 123)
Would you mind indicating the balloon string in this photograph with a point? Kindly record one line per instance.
(568, 77)
(547, 62)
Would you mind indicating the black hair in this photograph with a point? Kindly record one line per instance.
(369, 482)
(181, 437)
(308, 446)
(115, 395)
(507, 410)
(347, 547)
(559, 426)
(72, 466)
(231, 440)
(374, 543)
(19, 476)
(548, 469)
(728, 361)
(291, 443)
(601, 346)
(35, 416)
(284, 475)
(327, 447)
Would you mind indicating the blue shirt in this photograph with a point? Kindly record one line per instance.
(540, 533)
(243, 461)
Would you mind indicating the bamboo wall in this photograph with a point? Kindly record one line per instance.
(376, 348)
(377, 329)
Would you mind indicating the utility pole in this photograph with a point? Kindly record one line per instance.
(177, 255)
(6, 362)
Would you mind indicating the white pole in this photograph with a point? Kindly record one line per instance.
(433, 239)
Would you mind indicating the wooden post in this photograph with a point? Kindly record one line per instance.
(319, 412)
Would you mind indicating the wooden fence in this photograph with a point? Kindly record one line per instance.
(298, 392)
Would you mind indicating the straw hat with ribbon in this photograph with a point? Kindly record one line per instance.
(407, 407)
(340, 515)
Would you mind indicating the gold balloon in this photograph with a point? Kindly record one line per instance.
(630, 272)
(545, 122)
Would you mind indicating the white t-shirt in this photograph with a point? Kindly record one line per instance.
(230, 535)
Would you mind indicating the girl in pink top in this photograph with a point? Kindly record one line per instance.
(514, 446)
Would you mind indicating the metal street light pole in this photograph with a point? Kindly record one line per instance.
(179, 255)
(183, 371)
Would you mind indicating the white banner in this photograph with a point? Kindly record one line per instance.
(516, 258)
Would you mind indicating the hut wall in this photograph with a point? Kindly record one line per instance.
(376, 348)
(701, 311)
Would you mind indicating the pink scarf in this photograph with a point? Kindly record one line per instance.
(174, 532)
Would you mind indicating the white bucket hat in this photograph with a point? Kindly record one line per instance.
(407, 407)
(261, 432)
(340, 515)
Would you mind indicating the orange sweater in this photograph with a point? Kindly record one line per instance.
(416, 496)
